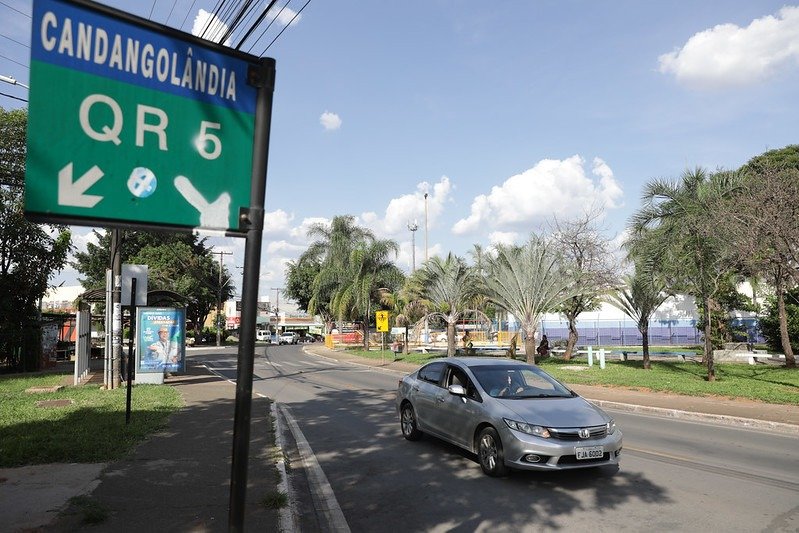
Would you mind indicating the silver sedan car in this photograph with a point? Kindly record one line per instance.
(509, 413)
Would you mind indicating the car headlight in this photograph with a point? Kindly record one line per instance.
(611, 426)
(524, 427)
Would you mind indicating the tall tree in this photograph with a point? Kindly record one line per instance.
(370, 272)
(586, 252)
(674, 231)
(761, 224)
(30, 254)
(333, 243)
(639, 296)
(300, 275)
(449, 284)
(529, 281)
(179, 262)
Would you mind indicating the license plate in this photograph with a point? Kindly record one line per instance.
(589, 452)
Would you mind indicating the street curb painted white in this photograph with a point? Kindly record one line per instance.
(325, 500)
(727, 420)
(286, 523)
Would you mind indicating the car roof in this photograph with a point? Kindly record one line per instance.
(481, 361)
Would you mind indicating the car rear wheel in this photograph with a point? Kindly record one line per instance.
(408, 423)
(489, 453)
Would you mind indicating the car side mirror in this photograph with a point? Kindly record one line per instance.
(457, 390)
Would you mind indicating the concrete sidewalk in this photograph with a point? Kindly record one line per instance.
(177, 480)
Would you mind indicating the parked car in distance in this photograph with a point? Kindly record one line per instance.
(308, 338)
(288, 337)
(509, 413)
(263, 335)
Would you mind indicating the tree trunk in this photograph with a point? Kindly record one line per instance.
(529, 348)
(790, 360)
(711, 367)
(643, 327)
(571, 342)
(451, 339)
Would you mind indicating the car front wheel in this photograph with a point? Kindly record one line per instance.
(408, 423)
(489, 452)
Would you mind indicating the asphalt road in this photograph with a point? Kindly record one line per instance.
(675, 475)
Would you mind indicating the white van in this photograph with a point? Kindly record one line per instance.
(262, 335)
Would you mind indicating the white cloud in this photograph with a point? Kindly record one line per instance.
(411, 208)
(277, 222)
(209, 27)
(503, 237)
(286, 15)
(728, 54)
(551, 187)
(330, 121)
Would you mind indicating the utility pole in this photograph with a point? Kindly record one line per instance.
(413, 226)
(219, 298)
(277, 306)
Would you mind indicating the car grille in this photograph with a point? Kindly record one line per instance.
(595, 432)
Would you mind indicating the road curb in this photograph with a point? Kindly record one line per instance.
(727, 420)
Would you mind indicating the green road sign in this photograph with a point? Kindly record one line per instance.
(135, 124)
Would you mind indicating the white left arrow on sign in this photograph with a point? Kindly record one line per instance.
(71, 193)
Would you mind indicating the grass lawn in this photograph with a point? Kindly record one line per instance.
(764, 383)
(90, 428)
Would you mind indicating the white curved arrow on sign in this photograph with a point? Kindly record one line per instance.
(71, 193)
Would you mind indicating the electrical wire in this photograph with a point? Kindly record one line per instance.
(150, 16)
(191, 8)
(297, 14)
(269, 25)
(15, 9)
(13, 61)
(257, 23)
(14, 97)
(174, 3)
(14, 40)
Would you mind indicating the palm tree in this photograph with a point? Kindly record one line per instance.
(528, 281)
(368, 273)
(673, 231)
(639, 297)
(448, 285)
(332, 247)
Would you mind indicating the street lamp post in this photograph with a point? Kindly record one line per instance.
(413, 226)
(12, 81)
(426, 328)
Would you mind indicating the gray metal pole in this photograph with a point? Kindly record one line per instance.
(263, 77)
(116, 306)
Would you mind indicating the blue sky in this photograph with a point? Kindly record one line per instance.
(507, 114)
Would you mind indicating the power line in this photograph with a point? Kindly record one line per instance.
(174, 3)
(13, 61)
(257, 23)
(14, 40)
(14, 97)
(15, 9)
(269, 25)
(191, 8)
(150, 16)
(297, 14)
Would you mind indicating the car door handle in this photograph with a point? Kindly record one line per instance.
(441, 398)
(415, 388)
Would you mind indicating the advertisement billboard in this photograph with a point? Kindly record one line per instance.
(160, 340)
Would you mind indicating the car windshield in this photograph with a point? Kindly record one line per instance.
(518, 382)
